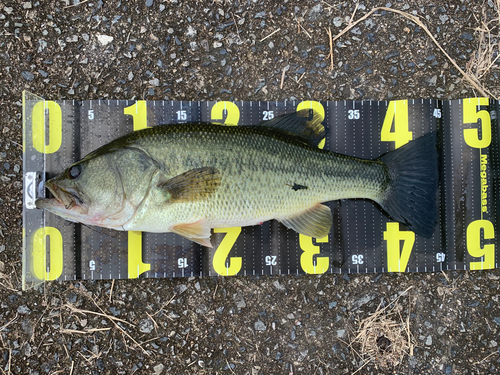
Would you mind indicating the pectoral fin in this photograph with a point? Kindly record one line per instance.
(198, 232)
(193, 185)
(315, 222)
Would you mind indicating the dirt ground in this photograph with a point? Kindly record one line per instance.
(425, 323)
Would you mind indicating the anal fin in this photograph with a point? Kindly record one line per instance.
(198, 232)
(314, 222)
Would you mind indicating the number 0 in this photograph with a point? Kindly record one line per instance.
(54, 128)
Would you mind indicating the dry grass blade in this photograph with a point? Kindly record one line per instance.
(8, 323)
(274, 32)
(112, 319)
(330, 55)
(111, 291)
(384, 337)
(474, 82)
(87, 331)
(482, 60)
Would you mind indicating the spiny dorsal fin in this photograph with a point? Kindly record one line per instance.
(305, 124)
(193, 185)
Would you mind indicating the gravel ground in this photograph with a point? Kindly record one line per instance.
(218, 50)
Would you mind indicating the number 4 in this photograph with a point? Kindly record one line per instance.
(397, 258)
(397, 113)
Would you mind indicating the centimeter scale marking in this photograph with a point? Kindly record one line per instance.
(362, 238)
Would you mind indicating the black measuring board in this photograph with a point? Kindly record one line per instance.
(363, 238)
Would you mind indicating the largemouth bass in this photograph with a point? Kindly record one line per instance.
(189, 178)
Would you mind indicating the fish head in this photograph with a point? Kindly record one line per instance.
(89, 191)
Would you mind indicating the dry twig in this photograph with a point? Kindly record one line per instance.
(274, 32)
(282, 79)
(330, 55)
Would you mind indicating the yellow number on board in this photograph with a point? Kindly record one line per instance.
(472, 115)
(307, 258)
(135, 265)
(222, 252)
(487, 252)
(232, 113)
(55, 127)
(40, 267)
(397, 259)
(139, 113)
(397, 113)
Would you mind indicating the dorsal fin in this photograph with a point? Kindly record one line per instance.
(305, 124)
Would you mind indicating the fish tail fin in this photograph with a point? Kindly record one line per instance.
(411, 195)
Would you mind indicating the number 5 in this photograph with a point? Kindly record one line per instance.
(472, 115)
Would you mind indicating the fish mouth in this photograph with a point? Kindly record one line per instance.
(62, 198)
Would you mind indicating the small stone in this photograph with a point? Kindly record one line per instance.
(370, 23)
(444, 18)
(260, 14)
(340, 333)
(337, 22)
(181, 288)
(433, 80)
(104, 40)
(158, 369)
(356, 30)
(130, 76)
(27, 326)
(191, 32)
(146, 326)
(259, 325)
(149, 3)
(4, 179)
(239, 300)
(23, 309)
(279, 286)
(467, 36)
(28, 76)
(392, 54)
(497, 320)
(155, 82)
(114, 311)
(428, 342)
(316, 12)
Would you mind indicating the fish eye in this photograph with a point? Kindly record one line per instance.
(75, 171)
